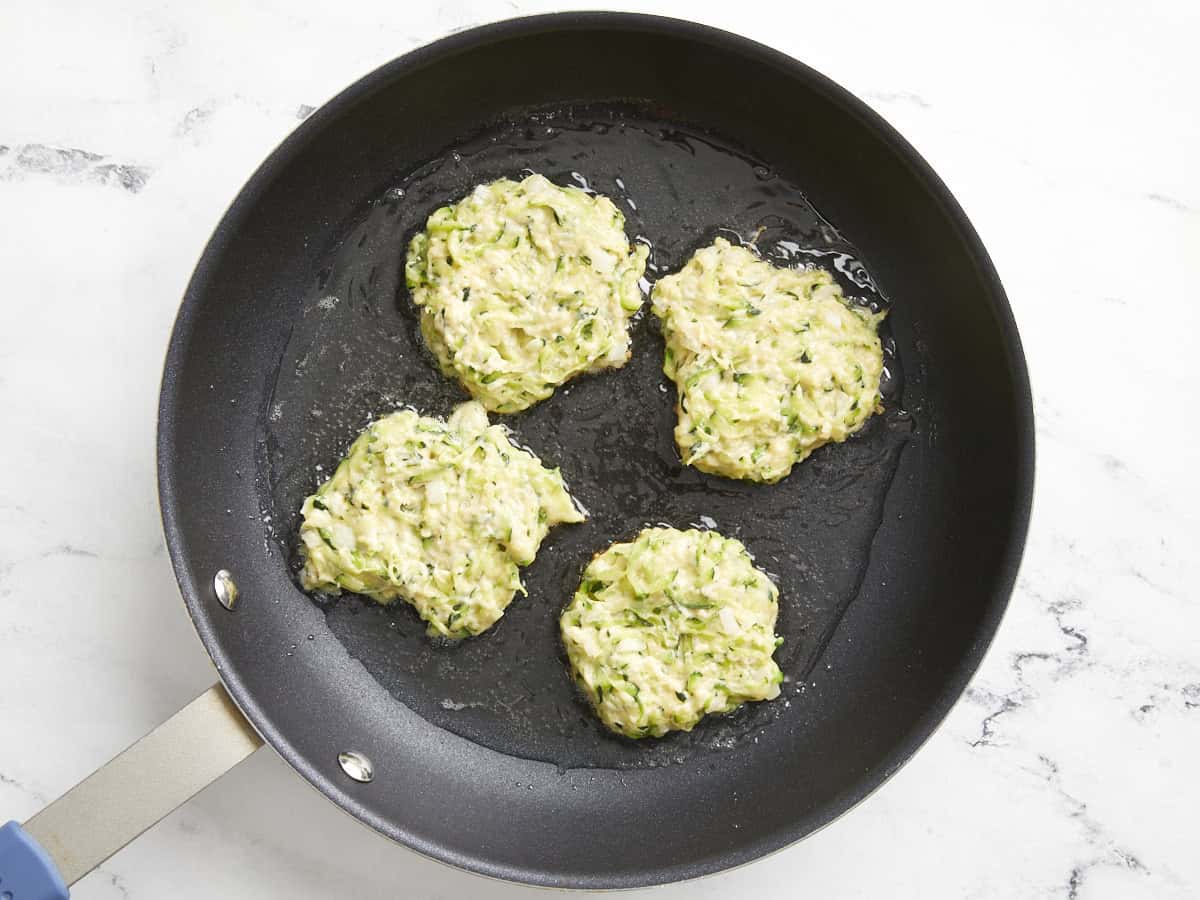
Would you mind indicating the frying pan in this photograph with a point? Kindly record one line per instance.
(895, 552)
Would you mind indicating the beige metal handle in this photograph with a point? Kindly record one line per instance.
(162, 771)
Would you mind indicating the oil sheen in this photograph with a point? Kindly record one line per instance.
(356, 354)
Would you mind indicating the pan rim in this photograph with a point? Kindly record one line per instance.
(483, 35)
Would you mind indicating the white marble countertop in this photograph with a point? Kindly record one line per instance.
(1070, 134)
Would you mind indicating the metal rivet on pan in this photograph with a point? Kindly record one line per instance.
(225, 588)
(356, 766)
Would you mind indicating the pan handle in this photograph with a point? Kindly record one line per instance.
(120, 800)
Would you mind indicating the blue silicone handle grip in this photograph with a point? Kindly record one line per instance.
(26, 870)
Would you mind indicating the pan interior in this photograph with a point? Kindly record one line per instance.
(356, 353)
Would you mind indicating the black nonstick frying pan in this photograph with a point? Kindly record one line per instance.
(895, 552)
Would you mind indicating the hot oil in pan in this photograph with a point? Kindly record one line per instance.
(356, 354)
